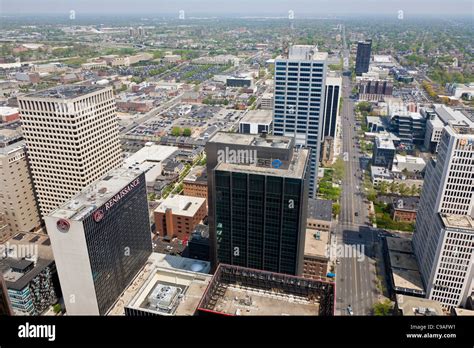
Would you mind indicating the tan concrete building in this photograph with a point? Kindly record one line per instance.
(72, 137)
(195, 183)
(316, 258)
(18, 209)
(178, 216)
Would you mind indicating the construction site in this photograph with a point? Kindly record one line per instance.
(238, 291)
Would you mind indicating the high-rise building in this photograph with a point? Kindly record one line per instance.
(72, 139)
(101, 239)
(444, 238)
(298, 110)
(363, 57)
(18, 209)
(257, 201)
(331, 109)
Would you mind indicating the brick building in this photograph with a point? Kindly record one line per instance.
(178, 216)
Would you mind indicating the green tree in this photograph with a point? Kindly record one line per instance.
(413, 190)
(383, 308)
(57, 308)
(187, 132)
(383, 187)
(336, 209)
(403, 189)
(176, 131)
(393, 187)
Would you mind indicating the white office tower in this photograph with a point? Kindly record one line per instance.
(72, 139)
(101, 239)
(444, 237)
(299, 100)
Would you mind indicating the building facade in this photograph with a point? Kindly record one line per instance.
(383, 152)
(257, 209)
(18, 207)
(444, 237)
(300, 82)
(331, 109)
(30, 284)
(5, 305)
(72, 139)
(178, 216)
(364, 49)
(101, 239)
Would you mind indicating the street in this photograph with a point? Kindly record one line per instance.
(355, 274)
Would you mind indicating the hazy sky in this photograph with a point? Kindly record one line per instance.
(245, 7)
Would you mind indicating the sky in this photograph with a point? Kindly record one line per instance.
(303, 8)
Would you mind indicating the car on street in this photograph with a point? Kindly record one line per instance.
(349, 310)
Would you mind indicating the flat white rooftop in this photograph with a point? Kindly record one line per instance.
(150, 153)
(306, 52)
(167, 285)
(181, 205)
(96, 194)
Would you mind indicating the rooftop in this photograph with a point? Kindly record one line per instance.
(96, 194)
(384, 143)
(167, 285)
(197, 175)
(65, 91)
(150, 153)
(17, 280)
(252, 140)
(306, 52)
(399, 244)
(316, 243)
(380, 172)
(450, 115)
(258, 116)
(181, 205)
(242, 291)
(458, 221)
(293, 169)
(417, 306)
(320, 209)
(403, 260)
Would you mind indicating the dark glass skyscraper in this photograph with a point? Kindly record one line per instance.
(257, 214)
(101, 239)
(363, 57)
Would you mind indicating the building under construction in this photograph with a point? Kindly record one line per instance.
(243, 291)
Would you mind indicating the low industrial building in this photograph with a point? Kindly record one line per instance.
(319, 214)
(380, 174)
(238, 291)
(195, 183)
(408, 163)
(178, 216)
(316, 256)
(150, 160)
(401, 265)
